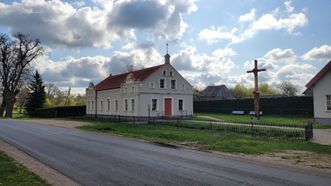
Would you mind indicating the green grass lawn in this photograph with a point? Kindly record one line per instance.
(264, 119)
(17, 115)
(11, 173)
(204, 139)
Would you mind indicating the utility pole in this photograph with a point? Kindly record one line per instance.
(67, 98)
(256, 89)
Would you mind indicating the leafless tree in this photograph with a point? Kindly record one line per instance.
(51, 90)
(16, 56)
(288, 89)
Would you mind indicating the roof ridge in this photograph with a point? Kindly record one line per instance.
(115, 81)
(319, 75)
(136, 70)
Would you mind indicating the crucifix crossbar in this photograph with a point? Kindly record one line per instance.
(256, 93)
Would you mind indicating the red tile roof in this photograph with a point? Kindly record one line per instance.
(112, 82)
(319, 75)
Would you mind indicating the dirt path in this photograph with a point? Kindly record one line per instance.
(51, 176)
(56, 122)
(322, 136)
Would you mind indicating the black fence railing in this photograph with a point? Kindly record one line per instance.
(253, 130)
(309, 131)
(56, 112)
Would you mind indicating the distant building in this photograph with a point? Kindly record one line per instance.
(320, 87)
(151, 92)
(220, 92)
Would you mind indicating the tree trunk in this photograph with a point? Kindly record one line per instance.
(21, 107)
(10, 101)
(2, 107)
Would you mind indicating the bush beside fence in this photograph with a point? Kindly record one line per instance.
(56, 112)
(298, 105)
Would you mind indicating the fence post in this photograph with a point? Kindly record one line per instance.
(309, 131)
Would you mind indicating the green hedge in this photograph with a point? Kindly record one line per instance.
(298, 105)
(56, 112)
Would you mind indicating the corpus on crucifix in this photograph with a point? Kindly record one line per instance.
(256, 89)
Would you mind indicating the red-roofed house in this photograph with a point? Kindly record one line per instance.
(320, 86)
(151, 92)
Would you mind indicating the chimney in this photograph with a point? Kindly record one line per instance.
(167, 56)
(91, 85)
(167, 59)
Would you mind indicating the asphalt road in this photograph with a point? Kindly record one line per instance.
(97, 159)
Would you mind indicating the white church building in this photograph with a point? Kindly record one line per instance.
(158, 91)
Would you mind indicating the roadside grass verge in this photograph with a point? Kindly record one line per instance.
(204, 139)
(275, 120)
(11, 173)
(321, 126)
(20, 116)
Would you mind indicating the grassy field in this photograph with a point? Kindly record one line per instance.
(12, 173)
(202, 139)
(264, 119)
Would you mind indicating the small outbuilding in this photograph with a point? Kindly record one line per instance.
(220, 92)
(320, 87)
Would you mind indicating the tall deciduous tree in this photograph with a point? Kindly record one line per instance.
(21, 98)
(266, 90)
(288, 89)
(240, 91)
(15, 57)
(37, 94)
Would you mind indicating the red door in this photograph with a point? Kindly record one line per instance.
(167, 107)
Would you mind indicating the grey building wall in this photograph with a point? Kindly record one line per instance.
(320, 90)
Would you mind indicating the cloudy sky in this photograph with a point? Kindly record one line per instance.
(210, 41)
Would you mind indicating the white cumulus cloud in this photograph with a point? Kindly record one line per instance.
(320, 53)
(280, 55)
(78, 25)
(212, 35)
(248, 17)
(289, 21)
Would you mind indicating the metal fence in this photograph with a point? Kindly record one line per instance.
(258, 131)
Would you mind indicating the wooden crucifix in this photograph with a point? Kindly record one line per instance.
(256, 89)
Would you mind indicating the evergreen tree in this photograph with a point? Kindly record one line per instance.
(37, 94)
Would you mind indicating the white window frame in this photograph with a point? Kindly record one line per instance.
(101, 106)
(132, 89)
(164, 84)
(132, 106)
(328, 103)
(182, 104)
(164, 73)
(116, 105)
(175, 84)
(171, 73)
(108, 105)
(126, 105)
(151, 85)
(157, 104)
